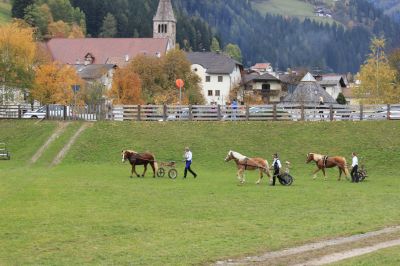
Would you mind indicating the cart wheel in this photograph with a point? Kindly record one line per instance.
(361, 176)
(172, 173)
(286, 179)
(160, 172)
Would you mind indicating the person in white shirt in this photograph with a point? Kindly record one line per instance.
(276, 164)
(354, 170)
(188, 160)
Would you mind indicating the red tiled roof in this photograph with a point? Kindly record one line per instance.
(261, 66)
(68, 51)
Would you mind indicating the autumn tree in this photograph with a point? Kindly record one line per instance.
(53, 84)
(177, 66)
(56, 18)
(377, 77)
(152, 76)
(17, 55)
(126, 88)
(394, 61)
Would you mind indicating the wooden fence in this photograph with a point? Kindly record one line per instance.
(277, 112)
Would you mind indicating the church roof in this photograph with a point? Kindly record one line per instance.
(69, 51)
(214, 63)
(165, 11)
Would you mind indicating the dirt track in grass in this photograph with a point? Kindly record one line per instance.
(327, 251)
(59, 130)
(60, 156)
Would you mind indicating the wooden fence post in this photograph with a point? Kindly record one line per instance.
(247, 112)
(19, 112)
(165, 112)
(47, 112)
(274, 112)
(65, 112)
(361, 112)
(190, 112)
(302, 112)
(138, 113)
(219, 113)
(388, 112)
(331, 112)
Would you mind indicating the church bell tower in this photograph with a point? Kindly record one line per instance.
(164, 22)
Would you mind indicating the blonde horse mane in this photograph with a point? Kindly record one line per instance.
(237, 155)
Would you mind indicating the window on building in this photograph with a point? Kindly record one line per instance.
(210, 93)
(266, 89)
(208, 78)
(217, 93)
(220, 78)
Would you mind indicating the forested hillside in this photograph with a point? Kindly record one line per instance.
(285, 41)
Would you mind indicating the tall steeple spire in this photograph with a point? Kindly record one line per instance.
(164, 22)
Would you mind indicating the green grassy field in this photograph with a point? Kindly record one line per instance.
(291, 8)
(88, 211)
(5, 12)
(390, 256)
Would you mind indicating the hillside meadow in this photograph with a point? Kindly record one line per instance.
(88, 211)
(5, 12)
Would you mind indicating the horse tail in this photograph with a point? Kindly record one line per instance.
(155, 164)
(267, 168)
(346, 169)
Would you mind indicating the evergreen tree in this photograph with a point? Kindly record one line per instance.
(109, 28)
(18, 8)
(341, 99)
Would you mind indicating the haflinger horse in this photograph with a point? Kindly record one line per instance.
(144, 159)
(244, 163)
(324, 161)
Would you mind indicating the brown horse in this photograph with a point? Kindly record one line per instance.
(144, 159)
(323, 161)
(244, 163)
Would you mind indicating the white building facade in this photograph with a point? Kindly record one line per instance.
(219, 75)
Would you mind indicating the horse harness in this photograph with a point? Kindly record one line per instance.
(324, 160)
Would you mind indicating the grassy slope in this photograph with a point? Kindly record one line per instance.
(5, 12)
(292, 8)
(87, 210)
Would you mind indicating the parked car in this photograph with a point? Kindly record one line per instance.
(55, 111)
(37, 114)
(394, 112)
(182, 114)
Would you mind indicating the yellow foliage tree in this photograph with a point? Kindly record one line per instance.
(377, 77)
(53, 84)
(17, 54)
(126, 88)
(60, 29)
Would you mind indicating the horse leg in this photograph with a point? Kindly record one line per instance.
(241, 174)
(261, 176)
(315, 173)
(340, 173)
(323, 171)
(134, 170)
(145, 169)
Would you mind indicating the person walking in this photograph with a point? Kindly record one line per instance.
(276, 164)
(234, 106)
(354, 170)
(188, 160)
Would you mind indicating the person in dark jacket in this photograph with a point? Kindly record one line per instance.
(276, 164)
